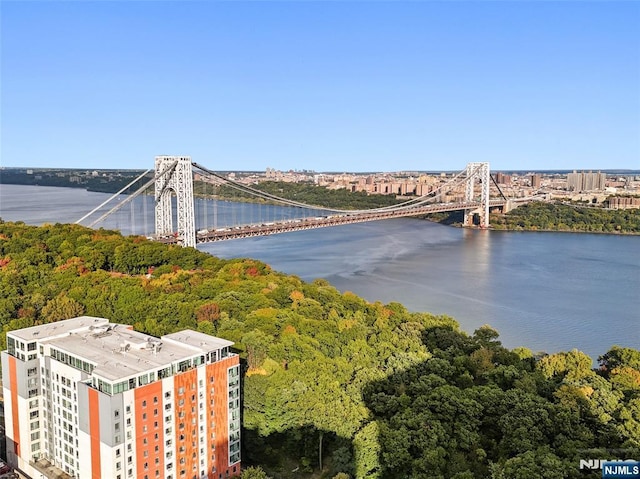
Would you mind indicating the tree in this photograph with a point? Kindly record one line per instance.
(367, 452)
(539, 463)
(256, 344)
(209, 312)
(573, 364)
(619, 356)
(254, 472)
(61, 307)
(487, 337)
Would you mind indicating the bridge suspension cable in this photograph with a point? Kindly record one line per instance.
(112, 197)
(126, 201)
(411, 203)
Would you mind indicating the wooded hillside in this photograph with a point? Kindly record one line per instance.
(334, 384)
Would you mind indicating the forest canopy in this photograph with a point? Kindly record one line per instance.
(335, 386)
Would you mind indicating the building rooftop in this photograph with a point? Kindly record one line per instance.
(61, 328)
(116, 350)
(197, 340)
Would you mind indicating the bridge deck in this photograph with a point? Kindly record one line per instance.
(264, 229)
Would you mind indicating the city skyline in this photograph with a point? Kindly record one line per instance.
(352, 86)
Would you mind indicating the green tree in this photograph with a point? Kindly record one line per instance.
(61, 307)
(254, 472)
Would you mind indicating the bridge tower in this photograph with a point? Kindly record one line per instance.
(477, 172)
(173, 176)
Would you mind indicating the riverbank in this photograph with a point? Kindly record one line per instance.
(557, 218)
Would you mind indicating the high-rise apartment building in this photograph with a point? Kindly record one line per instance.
(536, 181)
(503, 179)
(89, 399)
(586, 181)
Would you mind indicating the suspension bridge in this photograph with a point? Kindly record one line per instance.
(204, 218)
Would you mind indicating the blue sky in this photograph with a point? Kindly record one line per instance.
(325, 86)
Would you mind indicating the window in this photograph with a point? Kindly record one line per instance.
(11, 345)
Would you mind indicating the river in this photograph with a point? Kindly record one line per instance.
(546, 291)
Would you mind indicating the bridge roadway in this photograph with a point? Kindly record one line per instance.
(285, 226)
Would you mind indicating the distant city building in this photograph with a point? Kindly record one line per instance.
(503, 179)
(536, 181)
(89, 399)
(586, 181)
(624, 202)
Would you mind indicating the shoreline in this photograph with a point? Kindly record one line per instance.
(509, 230)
